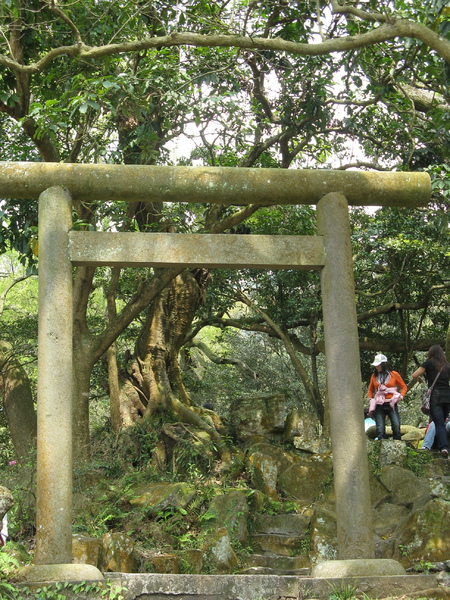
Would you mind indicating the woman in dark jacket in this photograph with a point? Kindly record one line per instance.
(435, 364)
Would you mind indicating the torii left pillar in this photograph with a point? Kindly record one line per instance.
(53, 556)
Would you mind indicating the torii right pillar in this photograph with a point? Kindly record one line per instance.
(348, 440)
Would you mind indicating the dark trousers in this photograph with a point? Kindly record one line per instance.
(381, 412)
(439, 412)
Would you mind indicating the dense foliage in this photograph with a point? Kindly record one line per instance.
(267, 84)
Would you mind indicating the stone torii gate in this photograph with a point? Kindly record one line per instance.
(330, 252)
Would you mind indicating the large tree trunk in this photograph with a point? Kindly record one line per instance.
(154, 378)
(155, 375)
(17, 402)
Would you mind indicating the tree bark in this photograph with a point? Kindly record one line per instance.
(156, 372)
(17, 402)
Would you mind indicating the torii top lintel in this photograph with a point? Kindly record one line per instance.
(224, 185)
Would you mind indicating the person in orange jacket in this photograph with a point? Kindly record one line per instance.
(384, 395)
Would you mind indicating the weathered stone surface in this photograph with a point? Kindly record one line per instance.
(384, 548)
(282, 524)
(257, 416)
(413, 437)
(284, 458)
(279, 563)
(301, 427)
(194, 558)
(55, 358)
(117, 554)
(323, 536)
(6, 501)
(229, 511)
(272, 543)
(405, 430)
(282, 535)
(165, 563)
(440, 489)
(391, 452)
(437, 467)
(85, 550)
(213, 184)
(158, 496)
(314, 446)
(209, 587)
(378, 491)
(425, 534)
(387, 517)
(60, 572)
(305, 480)
(219, 553)
(358, 567)
(263, 472)
(257, 501)
(407, 489)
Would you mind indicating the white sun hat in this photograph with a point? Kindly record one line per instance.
(379, 358)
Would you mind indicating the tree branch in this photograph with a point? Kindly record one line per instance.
(53, 6)
(316, 401)
(387, 31)
(8, 289)
(396, 306)
(221, 360)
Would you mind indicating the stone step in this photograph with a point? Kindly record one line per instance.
(283, 545)
(263, 587)
(290, 525)
(284, 565)
(270, 571)
(282, 535)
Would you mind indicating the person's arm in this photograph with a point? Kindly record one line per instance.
(371, 390)
(418, 374)
(400, 383)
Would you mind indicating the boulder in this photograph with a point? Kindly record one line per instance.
(323, 536)
(293, 525)
(284, 458)
(165, 563)
(305, 480)
(441, 489)
(158, 496)
(85, 550)
(219, 554)
(6, 501)
(117, 554)
(314, 446)
(387, 518)
(257, 416)
(303, 430)
(194, 558)
(371, 432)
(282, 535)
(262, 470)
(424, 535)
(379, 493)
(407, 489)
(228, 511)
(391, 452)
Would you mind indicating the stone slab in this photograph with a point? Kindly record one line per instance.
(60, 572)
(196, 250)
(226, 185)
(372, 587)
(155, 586)
(381, 567)
(262, 587)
